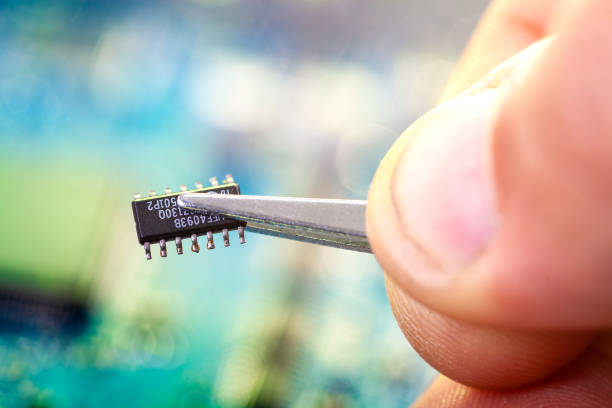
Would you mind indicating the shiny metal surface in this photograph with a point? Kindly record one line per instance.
(336, 223)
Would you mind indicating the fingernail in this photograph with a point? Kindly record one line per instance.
(443, 191)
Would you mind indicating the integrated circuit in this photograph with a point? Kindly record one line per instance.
(159, 219)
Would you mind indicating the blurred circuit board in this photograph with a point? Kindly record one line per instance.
(51, 221)
(86, 319)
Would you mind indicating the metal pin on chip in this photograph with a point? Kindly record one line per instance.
(241, 235)
(228, 179)
(167, 190)
(137, 196)
(213, 181)
(210, 244)
(151, 193)
(163, 251)
(199, 184)
(225, 233)
(179, 245)
(195, 247)
(183, 187)
(147, 248)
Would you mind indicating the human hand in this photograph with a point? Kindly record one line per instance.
(492, 214)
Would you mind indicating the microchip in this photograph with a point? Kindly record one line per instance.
(159, 219)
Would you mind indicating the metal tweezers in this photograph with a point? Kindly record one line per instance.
(329, 222)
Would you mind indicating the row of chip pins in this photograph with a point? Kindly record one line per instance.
(213, 182)
(195, 247)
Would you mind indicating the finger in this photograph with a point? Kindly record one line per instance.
(507, 27)
(498, 211)
(585, 383)
(481, 356)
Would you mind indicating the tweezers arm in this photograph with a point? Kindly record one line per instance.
(335, 223)
(313, 235)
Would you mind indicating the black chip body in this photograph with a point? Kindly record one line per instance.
(159, 219)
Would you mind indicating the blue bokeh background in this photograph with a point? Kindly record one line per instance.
(101, 99)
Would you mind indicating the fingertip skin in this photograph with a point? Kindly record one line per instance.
(585, 383)
(405, 262)
(482, 356)
(515, 326)
(547, 264)
(551, 262)
(441, 188)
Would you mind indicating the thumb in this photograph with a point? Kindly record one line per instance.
(496, 207)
